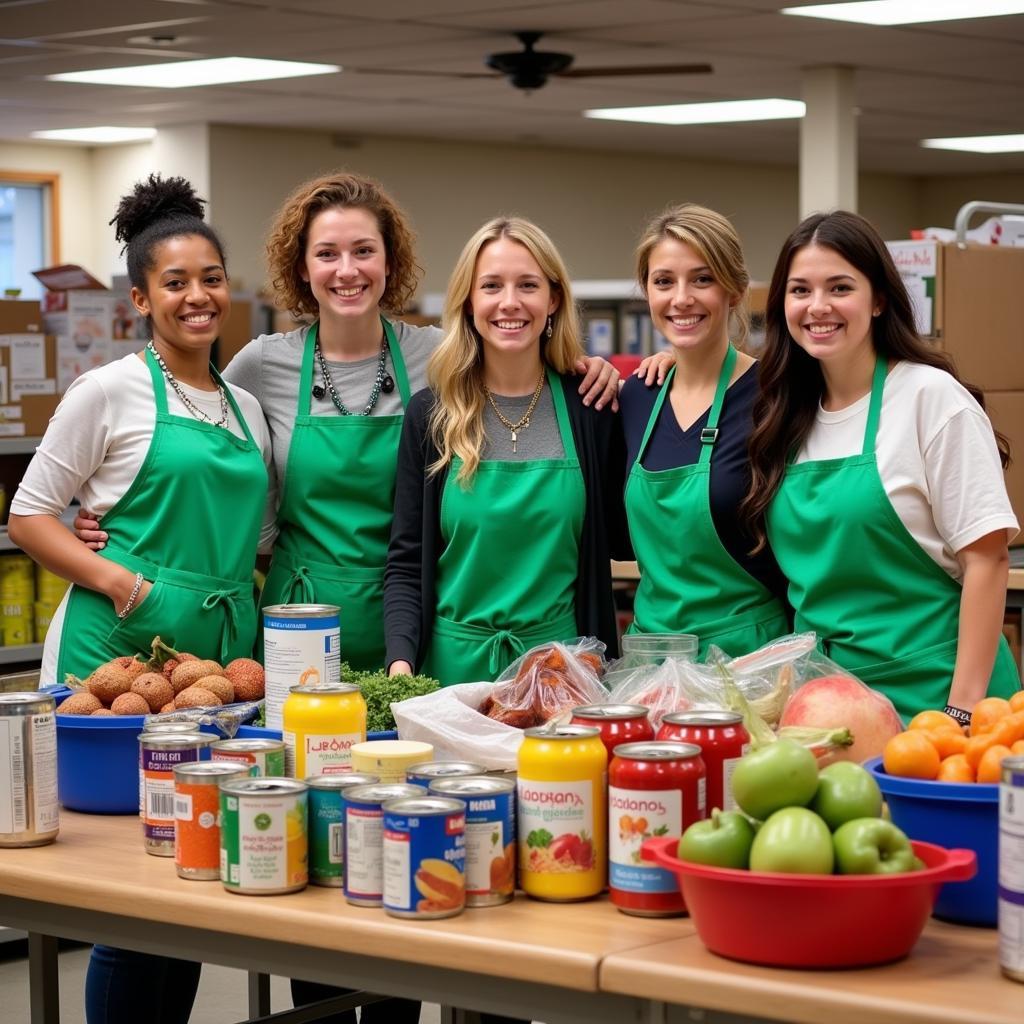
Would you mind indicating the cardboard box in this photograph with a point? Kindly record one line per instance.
(29, 394)
(1006, 410)
(19, 315)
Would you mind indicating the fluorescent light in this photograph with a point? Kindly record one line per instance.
(704, 113)
(187, 73)
(106, 133)
(979, 144)
(909, 12)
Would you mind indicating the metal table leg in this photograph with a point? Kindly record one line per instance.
(43, 986)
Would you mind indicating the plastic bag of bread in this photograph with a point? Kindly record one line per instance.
(547, 681)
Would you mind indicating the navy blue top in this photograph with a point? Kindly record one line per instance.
(670, 447)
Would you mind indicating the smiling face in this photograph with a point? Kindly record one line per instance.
(345, 262)
(829, 305)
(186, 297)
(511, 299)
(688, 305)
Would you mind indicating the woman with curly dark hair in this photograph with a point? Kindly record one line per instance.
(877, 478)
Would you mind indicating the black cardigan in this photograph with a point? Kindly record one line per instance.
(410, 579)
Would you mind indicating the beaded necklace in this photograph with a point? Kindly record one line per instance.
(380, 381)
(185, 400)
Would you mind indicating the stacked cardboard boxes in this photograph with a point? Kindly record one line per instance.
(29, 391)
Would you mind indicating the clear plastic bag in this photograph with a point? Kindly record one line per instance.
(674, 685)
(225, 720)
(547, 681)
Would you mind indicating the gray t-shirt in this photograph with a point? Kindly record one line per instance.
(540, 440)
(270, 365)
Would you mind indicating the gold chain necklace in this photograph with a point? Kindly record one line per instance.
(525, 421)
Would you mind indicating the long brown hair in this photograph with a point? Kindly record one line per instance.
(791, 381)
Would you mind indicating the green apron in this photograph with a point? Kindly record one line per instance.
(190, 523)
(689, 583)
(506, 580)
(883, 608)
(335, 514)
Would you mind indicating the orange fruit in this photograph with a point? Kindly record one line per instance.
(976, 747)
(912, 755)
(991, 764)
(934, 721)
(1017, 748)
(987, 712)
(947, 742)
(1017, 701)
(1008, 729)
(955, 769)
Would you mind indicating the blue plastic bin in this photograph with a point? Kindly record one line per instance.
(951, 814)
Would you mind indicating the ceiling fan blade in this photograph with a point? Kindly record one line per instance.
(637, 69)
(423, 74)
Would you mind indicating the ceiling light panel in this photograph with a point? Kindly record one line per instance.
(726, 112)
(908, 12)
(191, 73)
(979, 144)
(104, 134)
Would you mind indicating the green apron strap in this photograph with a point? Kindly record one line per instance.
(234, 405)
(655, 412)
(875, 409)
(397, 361)
(157, 375)
(709, 435)
(561, 413)
(306, 374)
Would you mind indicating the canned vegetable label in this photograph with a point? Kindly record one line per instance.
(28, 769)
(1011, 868)
(262, 757)
(633, 816)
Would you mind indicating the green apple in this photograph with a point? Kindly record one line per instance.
(872, 846)
(721, 841)
(846, 791)
(780, 774)
(793, 840)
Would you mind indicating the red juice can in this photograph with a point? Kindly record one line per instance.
(616, 723)
(723, 739)
(654, 789)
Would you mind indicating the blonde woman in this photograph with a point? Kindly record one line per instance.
(508, 484)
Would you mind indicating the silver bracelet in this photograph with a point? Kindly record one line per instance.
(139, 580)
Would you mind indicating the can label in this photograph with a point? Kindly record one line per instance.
(310, 754)
(364, 837)
(728, 768)
(28, 749)
(156, 790)
(197, 827)
(490, 845)
(424, 863)
(556, 826)
(261, 763)
(263, 842)
(326, 836)
(633, 816)
(1011, 870)
(298, 651)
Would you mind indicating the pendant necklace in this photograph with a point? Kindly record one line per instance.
(381, 382)
(524, 422)
(194, 409)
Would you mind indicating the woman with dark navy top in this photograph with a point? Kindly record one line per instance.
(687, 445)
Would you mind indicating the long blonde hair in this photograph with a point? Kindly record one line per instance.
(455, 370)
(715, 240)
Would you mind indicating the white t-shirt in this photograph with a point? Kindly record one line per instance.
(937, 458)
(96, 443)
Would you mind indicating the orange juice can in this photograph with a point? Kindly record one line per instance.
(197, 816)
(321, 726)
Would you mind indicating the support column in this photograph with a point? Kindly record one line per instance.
(828, 141)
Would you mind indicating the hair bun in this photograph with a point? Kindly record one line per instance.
(153, 200)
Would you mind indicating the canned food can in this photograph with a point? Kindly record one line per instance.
(654, 789)
(364, 839)
(490, 835)
(424, 857)
(327, 825)
(159, 754)
(321, 725)
(28, 769)
(264, 845)
(426, 772)
(389, 759)
(301, 647)
(562, 813)
(197, 816)
(156, 725)
(618, 723)
(723, 739)
(261, 757)
(1011, 868)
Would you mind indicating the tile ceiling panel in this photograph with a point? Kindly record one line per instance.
(564, 17)
(20, 21)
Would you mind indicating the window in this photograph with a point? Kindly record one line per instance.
(28, 230)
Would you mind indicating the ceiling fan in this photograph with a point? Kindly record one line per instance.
(530, 69)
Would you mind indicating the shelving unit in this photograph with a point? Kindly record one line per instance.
(18, 445)
(21, 653)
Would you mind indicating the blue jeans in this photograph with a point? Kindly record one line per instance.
(124, 987)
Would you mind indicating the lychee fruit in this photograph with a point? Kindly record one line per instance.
(130, 704)
(81, 703)
(220, 687)
(247, 677)
(188, 672)
(110, 680)
(155, 689)
(172, 663)
(168, 708)
(102, 713)
(196, 697)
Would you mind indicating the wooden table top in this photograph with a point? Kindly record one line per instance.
(951, 977)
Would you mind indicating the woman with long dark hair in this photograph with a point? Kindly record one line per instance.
(877, 478)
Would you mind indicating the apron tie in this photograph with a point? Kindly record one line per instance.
(504, 641)
(226, 599)
(300, 579)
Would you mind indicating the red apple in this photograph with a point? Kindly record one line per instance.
(836, 702)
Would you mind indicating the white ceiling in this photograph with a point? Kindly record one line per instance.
(946, 79)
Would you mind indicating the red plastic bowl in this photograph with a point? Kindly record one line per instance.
(780, 920)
